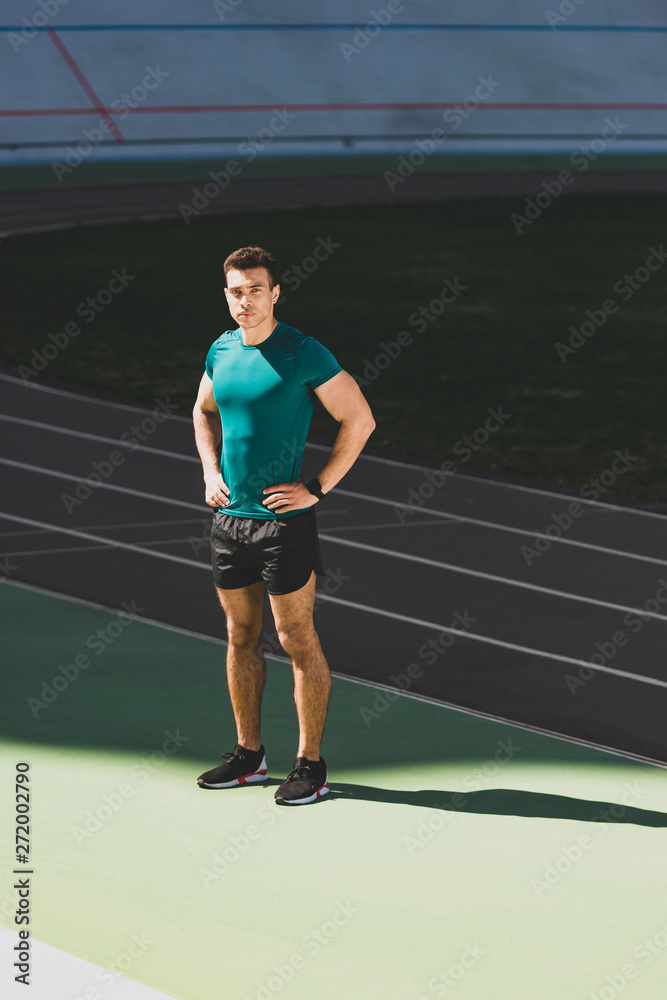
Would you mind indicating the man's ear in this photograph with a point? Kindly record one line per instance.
(276, 293)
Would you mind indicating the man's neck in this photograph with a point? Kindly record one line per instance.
(260, 333)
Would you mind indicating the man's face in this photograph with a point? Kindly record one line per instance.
(249, 297)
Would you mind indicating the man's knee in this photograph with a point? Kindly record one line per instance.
(296, 639)
(243, 635)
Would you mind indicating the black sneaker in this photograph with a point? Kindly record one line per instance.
(241, 767)
(306, 782)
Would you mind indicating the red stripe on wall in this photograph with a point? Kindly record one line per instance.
(88, 90)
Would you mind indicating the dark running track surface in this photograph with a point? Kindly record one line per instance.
(40, 208)
(445, 588)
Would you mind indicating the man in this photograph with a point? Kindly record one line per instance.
(256, 401)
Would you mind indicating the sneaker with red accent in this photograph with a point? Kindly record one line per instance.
(306, 782)
(240, 767)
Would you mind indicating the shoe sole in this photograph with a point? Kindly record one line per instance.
(320, 793)
(246, 779)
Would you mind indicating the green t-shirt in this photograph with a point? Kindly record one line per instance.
(265, 396)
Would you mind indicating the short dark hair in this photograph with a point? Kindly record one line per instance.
(246, 258)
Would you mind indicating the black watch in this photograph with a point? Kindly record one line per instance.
(313, 486)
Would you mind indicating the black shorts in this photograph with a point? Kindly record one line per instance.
(282, 551)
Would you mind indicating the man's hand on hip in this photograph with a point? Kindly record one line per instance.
(289, 496)
(217, 493)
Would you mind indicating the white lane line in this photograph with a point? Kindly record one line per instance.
(502, 527)
(370, 499)
(518, 487)
(451, 567)
(495, 642)
(501, 484)
(56, 974)
(361, 681)
(69, 432)
(112, 543)
(34, 532)
(351, 544)
(523, 726)
(452, 517)
(115, 611)
(81, 397)
(105, 486)
(107, 542)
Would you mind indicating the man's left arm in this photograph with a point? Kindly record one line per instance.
(344, 400)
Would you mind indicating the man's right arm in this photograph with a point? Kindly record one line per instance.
(208, 435)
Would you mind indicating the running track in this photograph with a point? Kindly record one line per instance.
(505, 635)
(44, 208)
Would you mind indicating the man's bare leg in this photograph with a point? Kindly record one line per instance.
(246, 666)
(293, 615)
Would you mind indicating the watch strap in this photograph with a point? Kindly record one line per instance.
(314, 486)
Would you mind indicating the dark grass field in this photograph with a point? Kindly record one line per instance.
(491, 348)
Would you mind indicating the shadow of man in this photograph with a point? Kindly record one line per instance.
(505, 802)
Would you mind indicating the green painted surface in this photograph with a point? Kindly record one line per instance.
(377, 891)
(43, 175)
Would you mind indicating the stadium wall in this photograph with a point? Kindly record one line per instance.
(253, 80)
